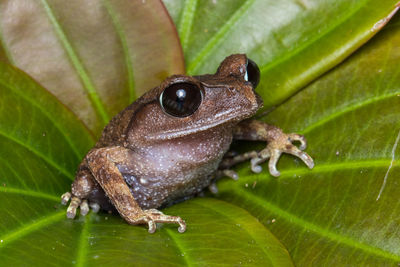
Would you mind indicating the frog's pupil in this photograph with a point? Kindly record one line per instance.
(181, 94)
(252, 73)
(181, 99)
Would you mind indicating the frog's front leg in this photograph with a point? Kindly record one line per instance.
(278, 143)
(102, 163)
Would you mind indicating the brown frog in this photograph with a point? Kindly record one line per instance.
(172, 143)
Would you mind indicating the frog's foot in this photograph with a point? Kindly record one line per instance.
(227, 173)
(153, 216)
(218, 175)
(77, 202)
(282, 143)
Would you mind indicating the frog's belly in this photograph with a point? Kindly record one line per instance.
(154, 191)
(164, 172)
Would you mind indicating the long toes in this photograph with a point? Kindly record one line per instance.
(254, 163)
(71, 211)
(273, 161)
(153, 217)
(152, 226)
(259, 158)
(95, 207)
(302, 155)
(155, 211)
(300, 138)
(182, 226)
(84, 207)
(65, 198)
(231, 174)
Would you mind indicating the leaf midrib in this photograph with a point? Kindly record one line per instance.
(296, 173)
(227, 215)
(47, 115)
(186, 258)
(186, 21)
(38, 194)
(31, 227)
(218, 37)
(76, 62)
(341, 111)
(47, 159)
(125, 48)
(309, 42)
(308, 226)
(82, 248)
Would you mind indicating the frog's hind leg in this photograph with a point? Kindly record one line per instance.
(102, 163)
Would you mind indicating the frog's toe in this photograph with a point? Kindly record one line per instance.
(228, 173)
(274, 150)
(153, 216)
(300, 154)
(300, 138)
(84, 207)
(73, 206)
(275, 154)
(76, 203)
(268, 153)
(65, 198)
(94, 206)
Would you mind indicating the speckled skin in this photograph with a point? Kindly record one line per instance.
(146, 159)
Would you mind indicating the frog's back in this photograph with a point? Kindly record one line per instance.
(114, 133)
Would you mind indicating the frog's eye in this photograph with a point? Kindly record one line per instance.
(252, 73)
(181, 99)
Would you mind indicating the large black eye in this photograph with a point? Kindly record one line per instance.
(252, 73)
(181, 99)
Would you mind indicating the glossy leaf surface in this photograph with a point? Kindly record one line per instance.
(328, 216)
(346, 210)
(293, 41)
(96, 56)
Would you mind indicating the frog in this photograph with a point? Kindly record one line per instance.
(173, 142)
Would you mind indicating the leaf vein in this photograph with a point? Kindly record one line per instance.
(44, 112)
(263, 248)
(218, 37)
(39, 154)
(31, 227)
(342, 111)
(313, 40)
(84, 76)
(186, 22)
(38, 194)
(306, 225)
(125, 48)
(82, 248)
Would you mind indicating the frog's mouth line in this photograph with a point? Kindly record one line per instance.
(172, 134)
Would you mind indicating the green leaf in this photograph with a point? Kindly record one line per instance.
(41, 144)
(293, 41)
(95, 56)
(346, 210)
(330, 215)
